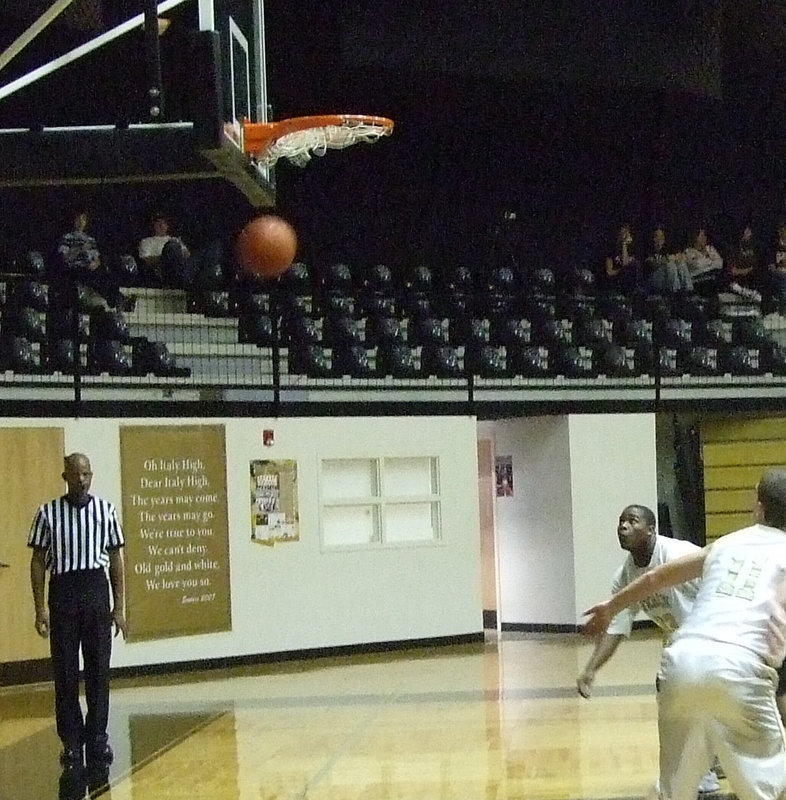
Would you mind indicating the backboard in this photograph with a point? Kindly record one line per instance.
(118, 91)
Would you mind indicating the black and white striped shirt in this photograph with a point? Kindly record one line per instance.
(76, 537)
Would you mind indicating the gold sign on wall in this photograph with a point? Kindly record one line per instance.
(176, 528)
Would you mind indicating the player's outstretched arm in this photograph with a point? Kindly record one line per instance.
(605, 648)
(672, 573)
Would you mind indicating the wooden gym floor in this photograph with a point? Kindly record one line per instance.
(497, 720)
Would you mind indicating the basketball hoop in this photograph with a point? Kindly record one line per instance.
(299, 138)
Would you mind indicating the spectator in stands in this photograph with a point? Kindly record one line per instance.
(777, 269)
(167, 261)
(666, 273)
(744, 275)
(704, 263)
(622, 274)
(81, 262)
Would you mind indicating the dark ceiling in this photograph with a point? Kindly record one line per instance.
(587, 111)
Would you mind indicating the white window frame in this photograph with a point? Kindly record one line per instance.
(377, 503)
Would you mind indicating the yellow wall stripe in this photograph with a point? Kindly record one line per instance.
(735, 453)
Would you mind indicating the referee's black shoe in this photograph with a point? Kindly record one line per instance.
(99, 752)
(71, 757)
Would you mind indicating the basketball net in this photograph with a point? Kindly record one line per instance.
(299, 138)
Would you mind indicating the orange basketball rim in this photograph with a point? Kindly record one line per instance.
(299, 138)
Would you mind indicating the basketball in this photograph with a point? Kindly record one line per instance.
(266, 246)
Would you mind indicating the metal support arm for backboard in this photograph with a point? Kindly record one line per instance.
(82, 50)
(155, 83)
(24, 39)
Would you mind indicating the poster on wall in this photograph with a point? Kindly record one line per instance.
(503, 473)
(274, 509)
(175, 521)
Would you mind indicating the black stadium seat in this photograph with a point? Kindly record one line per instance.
(398, 360)
(529, 361)
(18, 354)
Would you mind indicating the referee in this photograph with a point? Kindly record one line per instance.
(78, 539)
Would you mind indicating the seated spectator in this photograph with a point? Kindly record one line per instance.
(622, 274)
(666, 272)
(166, 260)
(704, 263)
(744, 275)
(81, 262)
(777, 270)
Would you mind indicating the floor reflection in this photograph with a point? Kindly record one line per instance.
(500, 719)
(29, 765)
(76, 784)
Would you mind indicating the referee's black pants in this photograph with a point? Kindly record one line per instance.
(80, 617)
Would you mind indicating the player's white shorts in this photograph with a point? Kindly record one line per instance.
(719, 699)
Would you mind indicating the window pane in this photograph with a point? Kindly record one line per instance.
(348, 525)
(411, 522)
(409, 477)
(349, 478)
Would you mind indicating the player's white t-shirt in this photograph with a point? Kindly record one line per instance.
(735, 599)
(152, 246)
(667, 608)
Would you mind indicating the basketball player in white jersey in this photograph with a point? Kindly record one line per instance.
(667, 609)
(718, 674)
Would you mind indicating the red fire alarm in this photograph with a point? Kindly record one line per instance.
(268, 437)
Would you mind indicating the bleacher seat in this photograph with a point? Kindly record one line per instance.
(441, 361)
(28, 293)
(19, 354)
(344, 331)
(572, 361)
(429, 330)
(740, 360)
(337, 278)
(297, 279)
(24, 322)
(616, 361)
(510, 331)
(256, 329)
(398, 359)
(384, 329)
(312, 360)
(303, 330)
(699, 360)
(59, 356)
(31, 263)
(109, 356)
(529, 361)
(353, 360)
(486, 361)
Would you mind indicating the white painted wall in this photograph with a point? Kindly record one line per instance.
(295, 596)
(612, 464)
(557, 535)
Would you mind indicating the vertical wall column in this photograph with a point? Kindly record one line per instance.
(612, 465)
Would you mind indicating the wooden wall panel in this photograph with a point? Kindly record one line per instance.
(724, 501)
(731, 477)
(31, 463)
(735, 453)
(745, 429)
(743, 452)
(720, 524)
